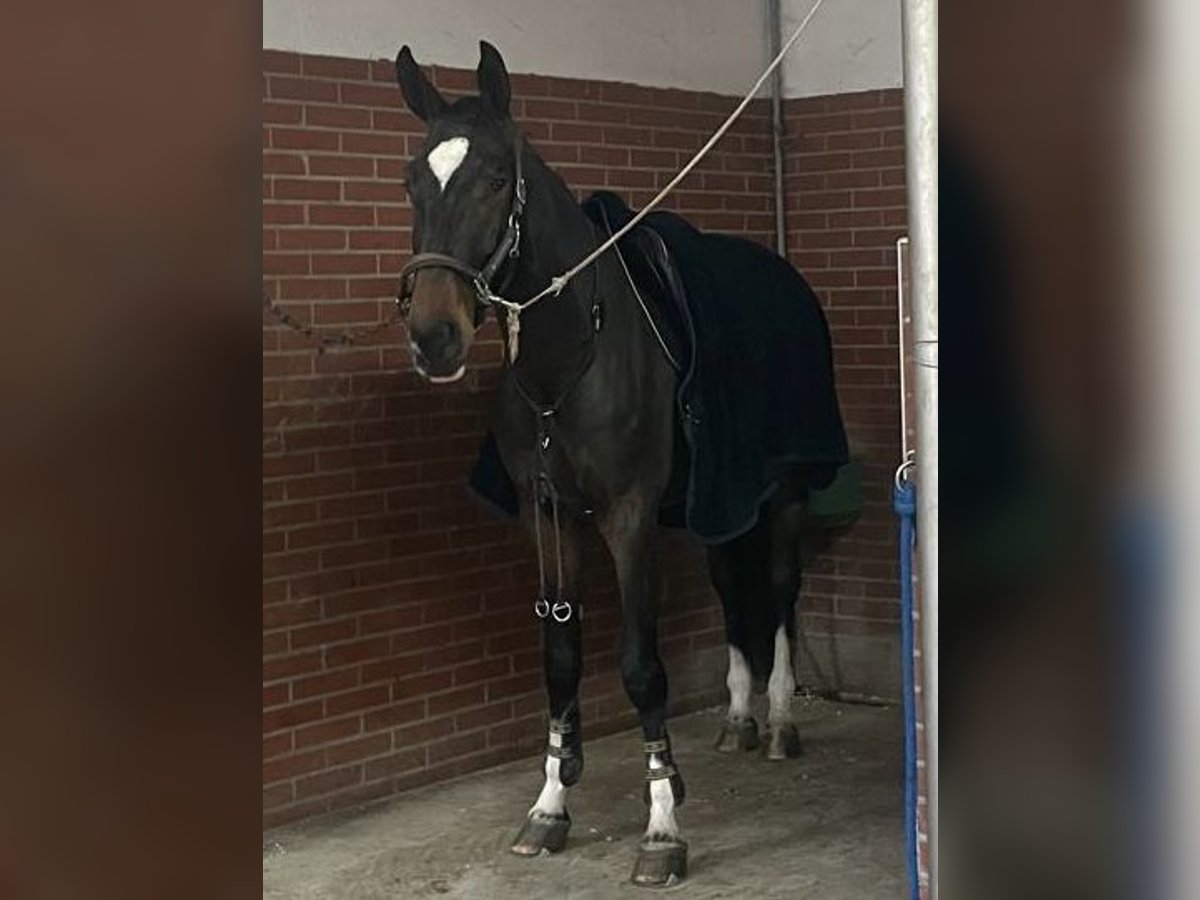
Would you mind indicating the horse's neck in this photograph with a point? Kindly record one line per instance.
(556, 331)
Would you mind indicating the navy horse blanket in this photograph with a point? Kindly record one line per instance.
(756, 389)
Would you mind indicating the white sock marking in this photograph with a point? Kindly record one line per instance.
(782, 683)
(446, 157)
(738, 681)
(662, 804)
(552, 801)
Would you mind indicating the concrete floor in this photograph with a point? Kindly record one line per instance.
(827, 825)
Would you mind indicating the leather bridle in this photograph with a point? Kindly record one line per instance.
(480, 280)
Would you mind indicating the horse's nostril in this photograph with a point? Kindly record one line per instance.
(440, 342)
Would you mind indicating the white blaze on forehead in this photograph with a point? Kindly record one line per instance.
(446, 157)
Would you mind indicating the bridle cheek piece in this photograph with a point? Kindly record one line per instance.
(480, 280)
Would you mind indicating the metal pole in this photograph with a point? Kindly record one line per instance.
(920, 34)
(904, 320)
(774, 30)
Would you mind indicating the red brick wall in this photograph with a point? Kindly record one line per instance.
(399, 644)
(844, 165)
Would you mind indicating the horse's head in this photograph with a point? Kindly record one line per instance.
(462, 186)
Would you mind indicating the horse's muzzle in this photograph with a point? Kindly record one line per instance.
(439, 352)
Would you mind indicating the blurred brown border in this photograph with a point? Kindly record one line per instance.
(129, 373)
(129, 468)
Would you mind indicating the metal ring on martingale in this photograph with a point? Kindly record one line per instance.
(541, 608)
(562, 617)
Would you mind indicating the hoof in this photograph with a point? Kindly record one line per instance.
(736, 735)
(660, 863)
(542, 834)
(783, 742)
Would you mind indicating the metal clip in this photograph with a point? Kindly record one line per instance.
(561, 611)
(903, 473)
(541, 608)
(515, 224)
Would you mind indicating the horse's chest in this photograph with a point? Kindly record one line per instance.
(568, 461)
(600, 443)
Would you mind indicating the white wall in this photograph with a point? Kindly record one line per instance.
(663, 43)
(713, 45)
(850, 45)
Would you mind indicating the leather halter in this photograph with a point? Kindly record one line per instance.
(479, 279)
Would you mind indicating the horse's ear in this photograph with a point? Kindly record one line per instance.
(421, 96)
(493, 79)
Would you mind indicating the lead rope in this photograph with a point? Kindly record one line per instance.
(559, 282)
(904, 502)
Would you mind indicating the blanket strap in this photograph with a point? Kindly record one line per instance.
(638, 294)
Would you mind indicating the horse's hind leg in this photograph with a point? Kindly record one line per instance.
(726, 564)
(545, 828)
(786, 516)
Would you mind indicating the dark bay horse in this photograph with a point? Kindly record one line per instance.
(585, 422)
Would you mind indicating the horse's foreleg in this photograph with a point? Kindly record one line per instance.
(629, 529)
(548, 822)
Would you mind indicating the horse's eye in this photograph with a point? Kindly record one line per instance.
(497, 184)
